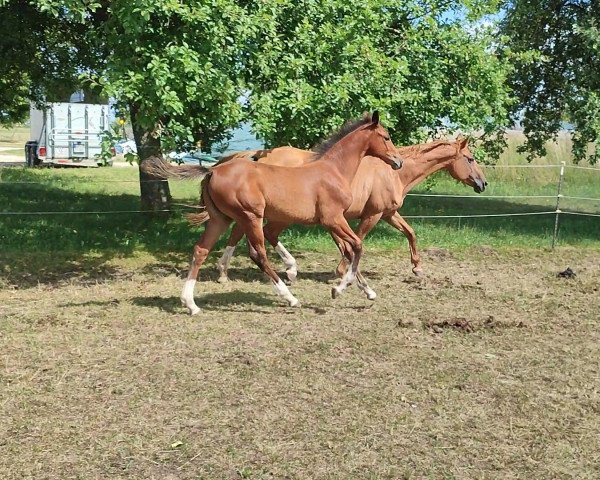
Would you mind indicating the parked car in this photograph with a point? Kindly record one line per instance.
(195, 157)
(125, 146)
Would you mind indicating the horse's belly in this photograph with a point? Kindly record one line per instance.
(290, 212)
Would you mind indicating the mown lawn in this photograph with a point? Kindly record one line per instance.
(487, 368)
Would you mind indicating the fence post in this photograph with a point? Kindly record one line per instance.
(558, 197)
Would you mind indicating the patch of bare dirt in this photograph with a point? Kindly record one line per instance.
(436, 252)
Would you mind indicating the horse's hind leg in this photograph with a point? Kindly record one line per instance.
(398, 222)
(363, 229)
(351, 247)
(272, 230)
(256, 246)
(214, 229)
(223, 264)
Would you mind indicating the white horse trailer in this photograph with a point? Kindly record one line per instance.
(66, 134)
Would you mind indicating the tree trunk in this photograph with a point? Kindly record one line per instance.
(155, 193)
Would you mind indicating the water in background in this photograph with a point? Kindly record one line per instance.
(242, 139)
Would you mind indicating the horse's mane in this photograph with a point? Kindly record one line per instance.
(422, 148)
(325, 145)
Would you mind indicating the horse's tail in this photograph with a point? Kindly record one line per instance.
(163, 169)
(205, 201)
(196, 219)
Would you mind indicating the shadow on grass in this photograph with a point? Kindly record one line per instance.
(232, 301)
(225, 301)
(51, 249)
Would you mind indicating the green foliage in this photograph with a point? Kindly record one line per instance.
(175, 63)
(314, 64)
(556, 78)
(41, 54)
(109, 137)
(178, 64)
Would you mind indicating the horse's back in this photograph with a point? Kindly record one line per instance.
(287, 157)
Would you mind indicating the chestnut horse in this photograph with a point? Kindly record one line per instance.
(315, 193)
(377, 192)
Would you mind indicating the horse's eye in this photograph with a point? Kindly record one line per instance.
(470, 159)
(386, 138)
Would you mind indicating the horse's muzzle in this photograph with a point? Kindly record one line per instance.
(396, 163)
(479, 185)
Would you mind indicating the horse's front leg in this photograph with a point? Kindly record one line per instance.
(399, 223)
(256, 246)
(272, 230)
(351, 247)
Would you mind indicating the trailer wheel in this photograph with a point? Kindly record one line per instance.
(31, 158)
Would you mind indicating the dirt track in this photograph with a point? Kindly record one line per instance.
(487, 368)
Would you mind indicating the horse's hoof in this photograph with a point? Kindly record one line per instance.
(371, 295)
(418, 271)
(194, 310)
(335, 293)
(291, 275)
(294, 303)
(223, 279)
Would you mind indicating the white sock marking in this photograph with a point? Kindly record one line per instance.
(282, 289)
(225, 260)
(291, 267)
(187, 296)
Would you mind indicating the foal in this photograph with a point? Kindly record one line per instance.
(315, 193)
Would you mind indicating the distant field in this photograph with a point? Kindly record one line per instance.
(14, 136)
(11, 151)
(117, 189)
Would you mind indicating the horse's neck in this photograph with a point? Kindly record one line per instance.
(420, 165)
(345, 155)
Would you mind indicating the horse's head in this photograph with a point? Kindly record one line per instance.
(465, 168)
(380, 144)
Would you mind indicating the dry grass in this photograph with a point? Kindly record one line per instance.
(15, 136)
(487, 368)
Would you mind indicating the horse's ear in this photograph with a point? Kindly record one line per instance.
(375, 117)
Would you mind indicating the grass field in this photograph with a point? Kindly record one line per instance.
(487, 367)
(116, 189)
(15, 137)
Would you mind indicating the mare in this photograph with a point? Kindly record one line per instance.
(377, 192)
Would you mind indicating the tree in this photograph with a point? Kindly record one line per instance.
(558, 78)
(39, 58)
(428, 65)
(172, 66)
